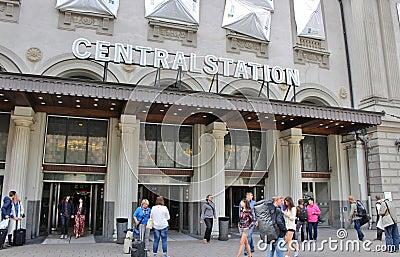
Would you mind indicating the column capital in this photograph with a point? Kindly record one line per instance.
(128, 123)
(218, 134)
(292, 136)
(22, 121)
(217, 129)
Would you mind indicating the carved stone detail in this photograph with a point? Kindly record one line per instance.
(34, 54)
(104, 25)
(343, 93)
(128, 67)
(9, 10)
(2, 69)
(312, 51)
(237, 42)
(160, 31)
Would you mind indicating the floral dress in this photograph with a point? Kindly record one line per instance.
(79, 222)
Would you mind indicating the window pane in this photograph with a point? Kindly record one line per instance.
(258, 150)
(165, 146)
(76, 141)
(321, 145)
(308, 147)
(97, 147)
(229, 153)
(184, 147)
(243, 156)
(4, 127)
(55, 140)
(148, 138)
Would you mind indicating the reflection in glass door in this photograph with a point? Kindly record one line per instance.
(319, 190)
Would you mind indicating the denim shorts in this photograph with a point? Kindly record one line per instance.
(245, 231)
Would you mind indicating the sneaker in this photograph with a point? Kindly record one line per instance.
(252, 250)
(62, 236)
(245, 254)
(204, 241)
(296, 253)
(65, 236)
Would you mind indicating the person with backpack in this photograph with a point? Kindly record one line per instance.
(302, 217)
(313, 212)
(246, 222)
(280, 227)
(355, 215)
(389, 221)
(208, 216)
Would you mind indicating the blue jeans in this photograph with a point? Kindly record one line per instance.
(250, 239)
(163, 233)
(312, 226)
(357, 226)
(64, 224)
(278, 247)
(392, 237)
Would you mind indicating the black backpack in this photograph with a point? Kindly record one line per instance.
(266, 213)
(361, 211)
(303, 214)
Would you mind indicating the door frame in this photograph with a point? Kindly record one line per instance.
(321, 180)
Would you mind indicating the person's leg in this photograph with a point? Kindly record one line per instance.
(271, 250)
(147, 238)
(157, 234)
(357, 227)
(250, 238)
(164, 237)
(315, 227)
(396, 237)
(379, 233)
(389, 237)
(298, 230)
(310, 228)
(289, 235)
(280, 247)
(243, 239)
(66, 225)
(63, 220)
(207, 234)
(304, 228)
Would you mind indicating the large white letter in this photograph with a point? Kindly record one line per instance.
(160, 56)
(192, 66)
(211, 63)
(126, 54)
(267, 74)
(254, 70)
(277, 75)
(225, 65)
(240, 70)
(102, 51)
(292, 77)
(143, 51)
(75, 48)
(179, 61)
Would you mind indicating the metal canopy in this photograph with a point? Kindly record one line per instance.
(175, 11)
(153, 95)
(309, 20)
(108, 7)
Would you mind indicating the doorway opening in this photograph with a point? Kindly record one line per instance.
(53, 193)
(320, 191)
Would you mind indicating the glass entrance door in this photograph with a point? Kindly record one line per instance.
(319, 190)
(53, 193)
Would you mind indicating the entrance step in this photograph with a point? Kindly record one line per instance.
(55, 240)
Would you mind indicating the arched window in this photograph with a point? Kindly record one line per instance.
(315, 101)
(81, 74)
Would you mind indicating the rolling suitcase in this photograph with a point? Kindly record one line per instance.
(19, 235)
(3, 235)
(137, 249)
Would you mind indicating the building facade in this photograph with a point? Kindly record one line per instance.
(122, 101)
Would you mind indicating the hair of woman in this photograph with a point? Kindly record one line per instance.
(160, 200)
(289, 202)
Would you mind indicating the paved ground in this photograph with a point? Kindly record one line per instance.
(185, 246)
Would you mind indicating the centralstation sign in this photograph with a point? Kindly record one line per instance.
(104, 51)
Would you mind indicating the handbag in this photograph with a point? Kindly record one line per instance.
(150, 223)
(380, 224)
(387, 219)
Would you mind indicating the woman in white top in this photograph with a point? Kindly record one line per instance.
(160, 216)
(290, 221)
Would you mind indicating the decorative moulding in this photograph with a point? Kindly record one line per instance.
(9, 10)
(237, 42)
(160, 31)
(308, 50)
(104, 25)
(34, 54)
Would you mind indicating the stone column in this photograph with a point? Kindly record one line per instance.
(17, 171)
(128, 167)
(218, 131)
(293, 137)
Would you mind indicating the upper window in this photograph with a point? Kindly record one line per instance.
(165, 146)
(315, 154)
(309, 19)
(244, 150)
(174, 11)
(76, 141)
(4, 127)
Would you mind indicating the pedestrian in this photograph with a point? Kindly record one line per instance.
(6, 213)
(290, 222)
(279, 222)
(208, 216)
(313, 212)
(379, 231)
(141, 216)
(66, 212)
(302, 217)
(160, 216)
(353, 217)
(246, 221)
(16, 216)
(80, 213)
(249, 197)
(389, 222)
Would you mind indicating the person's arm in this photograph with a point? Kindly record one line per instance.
(6, 205)
(167, 213)
(383, 209)
(22, 211)
(280, 221)
(317, 210)
(135, 215)
(292, 214)
(203, 209)
(351, 213)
